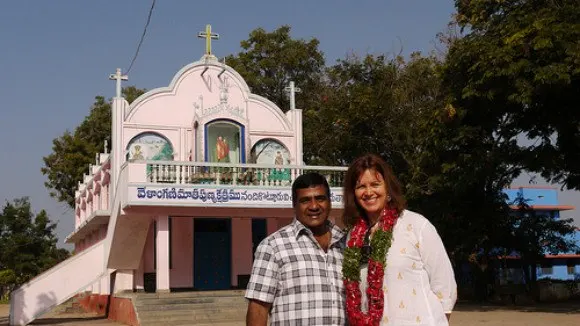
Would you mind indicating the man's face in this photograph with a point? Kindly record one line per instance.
(312, 206)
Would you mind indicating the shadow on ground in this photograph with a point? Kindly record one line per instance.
(568, 307)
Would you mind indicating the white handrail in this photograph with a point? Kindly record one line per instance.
(56, 285)
(246, 165)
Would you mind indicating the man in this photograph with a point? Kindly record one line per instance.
(296, 278)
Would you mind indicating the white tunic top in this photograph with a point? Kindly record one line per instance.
(419, 282)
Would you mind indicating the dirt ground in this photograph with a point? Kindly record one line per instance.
(561, 314)
(70, 319)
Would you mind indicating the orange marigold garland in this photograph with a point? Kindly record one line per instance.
(380, 244)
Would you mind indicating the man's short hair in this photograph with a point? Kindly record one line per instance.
(308, 180)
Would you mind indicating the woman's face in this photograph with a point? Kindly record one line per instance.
(371, 192)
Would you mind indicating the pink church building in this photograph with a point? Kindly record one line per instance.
(199, 172)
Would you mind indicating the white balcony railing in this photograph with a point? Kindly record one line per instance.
(203, 173)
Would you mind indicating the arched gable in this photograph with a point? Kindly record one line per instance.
(205, 90)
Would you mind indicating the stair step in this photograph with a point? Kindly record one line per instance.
(192, 294)
(193, 319)
(188, 323)
(188, 301)
(208, 310)
(231, 323)
(188, 307)
(215, 308)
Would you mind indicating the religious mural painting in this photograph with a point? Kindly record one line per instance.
(224, 142)
(270, 151)
(149, 146)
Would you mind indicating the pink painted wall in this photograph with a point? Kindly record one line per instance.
(128, 241)
(241, 248)
(273, 224)
(162, 253)
(57, 284)
(91, 239)
(171, 111)
(93, 194)
(147, 258)
(181, 273)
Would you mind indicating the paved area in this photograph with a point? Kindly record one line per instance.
(562, 314)
(69, 319)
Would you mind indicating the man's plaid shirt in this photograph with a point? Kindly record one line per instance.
(303, 283)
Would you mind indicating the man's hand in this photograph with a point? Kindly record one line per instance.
(257, 314)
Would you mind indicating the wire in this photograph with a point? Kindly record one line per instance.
(142, 37)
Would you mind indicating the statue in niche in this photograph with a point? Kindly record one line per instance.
(222, 150)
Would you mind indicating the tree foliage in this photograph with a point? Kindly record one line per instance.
(74, 151)
(270, 60)
(517, 72)
(398, 109)
(27, 244)
(451, 127)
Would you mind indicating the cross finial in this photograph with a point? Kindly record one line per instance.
(292, 90)
(118, 77)
(208, 35)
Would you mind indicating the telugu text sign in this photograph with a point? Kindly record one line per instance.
(208, 195)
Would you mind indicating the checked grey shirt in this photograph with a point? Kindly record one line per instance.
(303, 283)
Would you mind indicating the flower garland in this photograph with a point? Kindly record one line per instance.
(380, 244)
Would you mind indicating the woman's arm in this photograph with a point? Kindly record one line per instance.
(438, 266)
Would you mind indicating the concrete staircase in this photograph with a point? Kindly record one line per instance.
(216, 308)
(71, 305)
(57, 285)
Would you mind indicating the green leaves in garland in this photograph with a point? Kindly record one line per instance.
(351, 264)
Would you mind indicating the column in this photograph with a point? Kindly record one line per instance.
(105, 197)
(97, 200)
(162, 271)
(124, 280)
(139, 281)
(106, 283)
(96, 287)
(241, 247)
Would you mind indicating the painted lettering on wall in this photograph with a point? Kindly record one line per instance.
(221, 195)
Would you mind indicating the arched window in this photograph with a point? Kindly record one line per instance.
(149, 146)
(270, 151)
(224, 142)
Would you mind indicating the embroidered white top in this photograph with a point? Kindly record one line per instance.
(419, 282)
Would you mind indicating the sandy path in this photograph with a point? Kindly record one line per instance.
(562, 314)
(70, 319)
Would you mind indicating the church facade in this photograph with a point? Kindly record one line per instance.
(199, 172)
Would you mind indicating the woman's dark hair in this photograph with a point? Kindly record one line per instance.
(352, 210)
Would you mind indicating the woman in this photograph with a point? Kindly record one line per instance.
(405, 274)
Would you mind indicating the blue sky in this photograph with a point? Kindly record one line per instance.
(56, 56)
